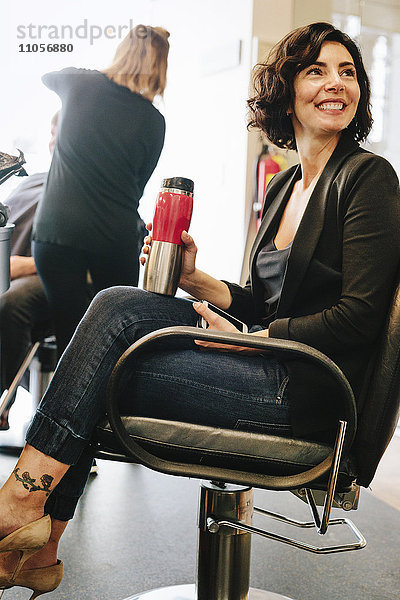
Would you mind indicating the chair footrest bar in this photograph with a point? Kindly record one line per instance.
(214, 525)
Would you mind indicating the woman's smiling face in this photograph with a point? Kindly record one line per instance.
(326, 93)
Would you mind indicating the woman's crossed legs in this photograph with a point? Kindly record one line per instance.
(188, 384)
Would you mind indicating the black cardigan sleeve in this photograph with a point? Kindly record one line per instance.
(369, 204)
(242, 305)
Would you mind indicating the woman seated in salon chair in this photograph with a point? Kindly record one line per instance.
(322, 271)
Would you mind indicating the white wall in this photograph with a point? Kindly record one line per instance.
(205, 108)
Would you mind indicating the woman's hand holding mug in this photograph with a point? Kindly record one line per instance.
(188, 257)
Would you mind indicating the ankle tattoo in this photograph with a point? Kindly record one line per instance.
(29, 483)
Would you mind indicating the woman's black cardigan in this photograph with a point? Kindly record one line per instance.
(339, 276)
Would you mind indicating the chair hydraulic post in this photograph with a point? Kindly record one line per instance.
(223, 558)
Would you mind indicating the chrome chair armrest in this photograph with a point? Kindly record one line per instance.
(286, 348)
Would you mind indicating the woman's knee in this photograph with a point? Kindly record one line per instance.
(114, 302)
(122, 307)
(117, 296)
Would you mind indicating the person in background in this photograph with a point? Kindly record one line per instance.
(322, 271)
(109, 141)
(24, 305)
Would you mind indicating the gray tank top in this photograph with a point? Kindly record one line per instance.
(270, 268)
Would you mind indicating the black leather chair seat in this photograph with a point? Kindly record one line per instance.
(232, 449)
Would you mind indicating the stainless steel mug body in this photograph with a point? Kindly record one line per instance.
(163, 268)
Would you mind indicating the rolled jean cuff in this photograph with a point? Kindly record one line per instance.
(55, 440)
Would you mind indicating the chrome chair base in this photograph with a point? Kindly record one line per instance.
(187, 592)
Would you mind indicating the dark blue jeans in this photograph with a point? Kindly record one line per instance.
(63, 271)
(188, 384)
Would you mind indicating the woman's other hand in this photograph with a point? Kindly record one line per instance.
(218, 323)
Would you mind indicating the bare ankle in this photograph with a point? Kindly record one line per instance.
(22, 501)
(15, 515)
(23, 496)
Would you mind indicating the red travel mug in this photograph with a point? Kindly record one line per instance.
(172, 215)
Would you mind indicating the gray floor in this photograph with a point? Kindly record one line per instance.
(136, 530)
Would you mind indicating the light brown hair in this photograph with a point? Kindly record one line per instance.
(140, 62)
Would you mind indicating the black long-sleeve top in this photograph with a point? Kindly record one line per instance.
(109, 140)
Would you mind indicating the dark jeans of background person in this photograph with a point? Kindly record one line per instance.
(63, 271)
(181, 382)
(23, 307)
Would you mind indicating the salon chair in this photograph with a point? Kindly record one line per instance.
(327, 475)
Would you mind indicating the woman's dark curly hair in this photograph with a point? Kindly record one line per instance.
(274, 83)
